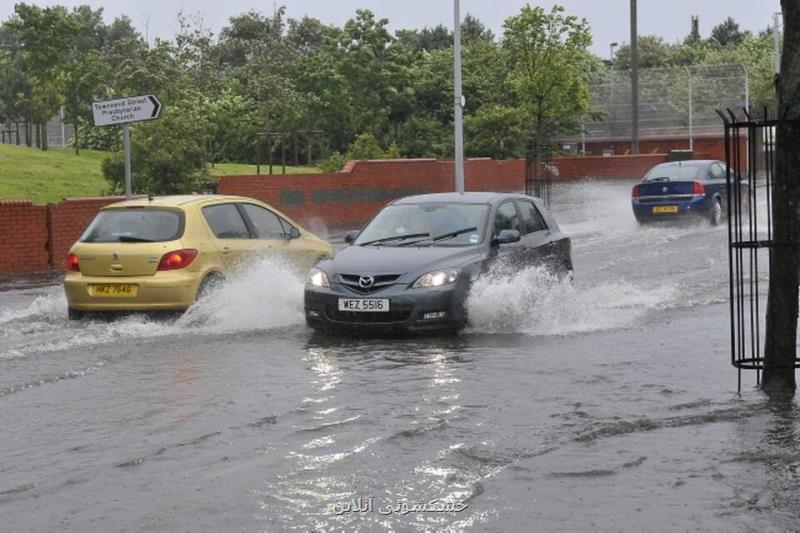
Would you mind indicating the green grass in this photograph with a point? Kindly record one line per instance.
(28, 173)
(31, 174)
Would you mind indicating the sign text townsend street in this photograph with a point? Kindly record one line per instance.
(125, 110)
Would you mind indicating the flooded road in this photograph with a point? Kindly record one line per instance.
(607, 403)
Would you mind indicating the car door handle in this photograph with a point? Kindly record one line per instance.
(226, 250)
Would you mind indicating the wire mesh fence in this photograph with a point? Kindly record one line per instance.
(673, 102)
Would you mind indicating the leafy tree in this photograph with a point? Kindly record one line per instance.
(168, 156)
(46, 36)
(653, 52)
(728, 33)
(549, 65)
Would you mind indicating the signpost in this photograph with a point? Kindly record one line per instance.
(121, 112)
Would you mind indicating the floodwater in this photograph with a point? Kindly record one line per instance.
(608, 403)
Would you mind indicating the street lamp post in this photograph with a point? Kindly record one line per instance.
(458, 98)
(634, 82)
(611, 106)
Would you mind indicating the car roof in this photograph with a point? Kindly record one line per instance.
(457, 198)
(689, 163)
(178, 200)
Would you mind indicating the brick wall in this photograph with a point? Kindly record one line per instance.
(37, 237)
(704, 147)
(67, 220)
(23, 236)
(616, 167)
(352, 196)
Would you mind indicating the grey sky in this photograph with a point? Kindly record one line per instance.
(608, 18)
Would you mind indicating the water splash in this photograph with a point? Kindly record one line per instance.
(536, 302)
(267, 295)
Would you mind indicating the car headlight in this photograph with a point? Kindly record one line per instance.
(318, 278)
(436, 279)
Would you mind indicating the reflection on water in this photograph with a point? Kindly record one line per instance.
(607, 403)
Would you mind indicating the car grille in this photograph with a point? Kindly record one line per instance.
(398, 314)
(379, 282)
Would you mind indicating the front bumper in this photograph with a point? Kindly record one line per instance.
(164, 291)
(407, 309)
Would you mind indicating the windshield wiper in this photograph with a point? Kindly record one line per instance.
(128, 238)
(442, 237)
(396, 238)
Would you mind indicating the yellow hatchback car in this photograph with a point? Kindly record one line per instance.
(159, 254)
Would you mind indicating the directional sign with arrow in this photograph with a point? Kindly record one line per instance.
(125, 110)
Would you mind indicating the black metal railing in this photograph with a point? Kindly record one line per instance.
(539, 171)
(750, 157)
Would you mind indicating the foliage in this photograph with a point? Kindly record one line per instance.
(168, 156)
(549, 66)
(268, 85)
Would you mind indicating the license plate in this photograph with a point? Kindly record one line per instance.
(114, 290)
(360, 305)
(665, 209)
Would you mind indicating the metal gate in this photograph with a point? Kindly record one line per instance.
(750, 158)
(539, 177)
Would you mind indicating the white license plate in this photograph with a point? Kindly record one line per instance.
(361, 305)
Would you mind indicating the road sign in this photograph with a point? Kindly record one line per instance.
(121, 112)
(125, 110)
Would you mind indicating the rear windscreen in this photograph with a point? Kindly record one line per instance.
(135, 225)
(674, 173)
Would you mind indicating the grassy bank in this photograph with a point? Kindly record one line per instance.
(28, 173)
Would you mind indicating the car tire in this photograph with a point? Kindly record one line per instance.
(75, 314)
(716, 212)
(209, 283)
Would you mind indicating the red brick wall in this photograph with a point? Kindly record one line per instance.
(23, 236)
(704, 147)
(613, 167)
(37, 237)
(67, 221)
(352, 196)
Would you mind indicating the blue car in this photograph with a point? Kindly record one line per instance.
(682, 189)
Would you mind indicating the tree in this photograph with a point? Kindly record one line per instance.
(549, 65)
(652, 51)
(46, 36)
(168, 156)
(780, 350)
(728, 33)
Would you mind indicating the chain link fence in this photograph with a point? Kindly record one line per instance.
(677, 102)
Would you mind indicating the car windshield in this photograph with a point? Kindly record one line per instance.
(429, 224)
(135, 225)
(673, 173)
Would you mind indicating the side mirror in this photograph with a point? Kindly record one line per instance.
(294, 233)
(507, 236)
(350, 236)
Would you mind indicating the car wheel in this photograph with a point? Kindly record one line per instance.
(716, 212)
(75, 314)
(209, 283)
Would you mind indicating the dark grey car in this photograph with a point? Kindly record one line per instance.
(411, 267)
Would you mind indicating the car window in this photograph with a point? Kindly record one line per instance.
(506, 218)
(717, 172)
(265, 222)
(532, 219)
(430, 224)
(135, 225)
(287, 228)
(226, 222)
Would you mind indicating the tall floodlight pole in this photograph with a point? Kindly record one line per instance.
(634, 82)
(458, 97)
